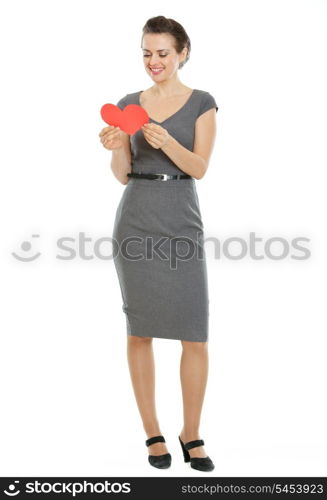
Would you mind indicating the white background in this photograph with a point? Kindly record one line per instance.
(67, 402)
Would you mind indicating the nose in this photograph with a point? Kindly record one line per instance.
(154, 60)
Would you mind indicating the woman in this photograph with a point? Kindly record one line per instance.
(161, 262)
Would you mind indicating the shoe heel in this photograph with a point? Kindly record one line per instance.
(186, 454)
(204, 464)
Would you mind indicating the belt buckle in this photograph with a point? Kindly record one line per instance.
(165, 177)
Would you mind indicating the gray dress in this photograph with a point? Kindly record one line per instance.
(158, 245)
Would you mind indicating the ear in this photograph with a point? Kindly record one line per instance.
(184, 52)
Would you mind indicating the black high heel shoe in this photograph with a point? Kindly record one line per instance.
(159, 461)
(200, 463)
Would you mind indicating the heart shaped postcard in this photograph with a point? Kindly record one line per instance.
(130, 119)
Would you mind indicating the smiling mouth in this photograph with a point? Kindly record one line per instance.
(156, 70)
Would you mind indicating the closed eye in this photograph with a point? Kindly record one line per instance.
(148, 55)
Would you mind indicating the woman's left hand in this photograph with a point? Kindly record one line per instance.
(155, 135)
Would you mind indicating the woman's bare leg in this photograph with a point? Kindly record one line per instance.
(194, 375)
(142, 370)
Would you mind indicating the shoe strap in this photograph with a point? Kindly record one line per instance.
(194, 444)
(155, 439)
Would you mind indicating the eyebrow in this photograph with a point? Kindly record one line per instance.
(159, 50)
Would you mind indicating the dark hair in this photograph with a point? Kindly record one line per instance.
(162, 24)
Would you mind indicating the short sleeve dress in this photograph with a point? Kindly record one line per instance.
(158, 237)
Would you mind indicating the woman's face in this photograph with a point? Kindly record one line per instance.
(159, 52)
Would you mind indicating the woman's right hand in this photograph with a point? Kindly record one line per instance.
(111, 137)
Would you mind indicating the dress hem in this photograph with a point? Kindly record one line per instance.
(167, 338)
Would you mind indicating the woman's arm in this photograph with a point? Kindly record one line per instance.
(121, 159)
(196, 162)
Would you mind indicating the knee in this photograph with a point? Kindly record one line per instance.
(137, 340)
(195, 347)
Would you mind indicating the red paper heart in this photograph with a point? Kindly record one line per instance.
(130, 120)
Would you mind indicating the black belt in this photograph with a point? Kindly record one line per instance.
(163, 177)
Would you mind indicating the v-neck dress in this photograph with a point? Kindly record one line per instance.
(158, 236)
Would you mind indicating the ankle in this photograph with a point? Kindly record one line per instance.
(152, 431)
(189, 435)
